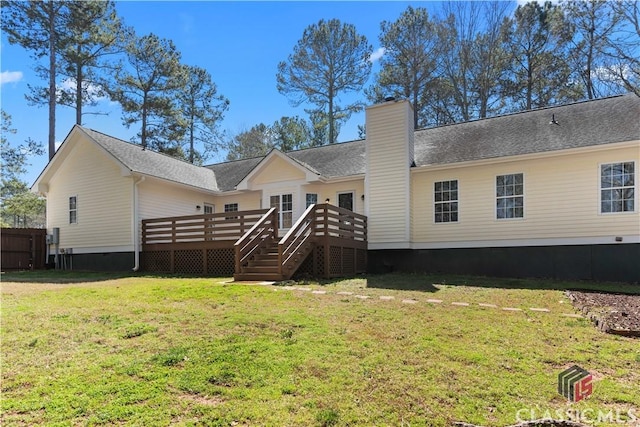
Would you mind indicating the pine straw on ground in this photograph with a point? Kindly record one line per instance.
(611, 313)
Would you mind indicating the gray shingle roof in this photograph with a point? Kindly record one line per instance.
(154, 164)
(335, 160)
(582, 124)
(229, 174)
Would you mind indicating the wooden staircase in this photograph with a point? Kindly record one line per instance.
(264, 265)
(260, 255)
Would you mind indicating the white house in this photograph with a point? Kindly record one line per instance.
(547, 193)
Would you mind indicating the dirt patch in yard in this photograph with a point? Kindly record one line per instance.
(611, 313)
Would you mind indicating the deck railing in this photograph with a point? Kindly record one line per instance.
(320, 225)
(199, 228)
(261, 234)
(332, 221)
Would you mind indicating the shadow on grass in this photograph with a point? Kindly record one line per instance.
(76, 276)
(426, 282)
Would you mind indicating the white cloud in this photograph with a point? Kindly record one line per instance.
(10, 77)
(94, 91)
(379, 53)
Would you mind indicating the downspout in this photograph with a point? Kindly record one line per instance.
(136, 222)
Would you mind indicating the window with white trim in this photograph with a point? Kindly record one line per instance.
(209, 209)
(231, 207)
(617, 187)
(73, 210)
(445, 201)
(312, 199)
(284, 204)
(510, 196)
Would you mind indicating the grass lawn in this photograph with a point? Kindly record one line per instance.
(93, 349)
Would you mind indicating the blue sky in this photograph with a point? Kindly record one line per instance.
(239, 43)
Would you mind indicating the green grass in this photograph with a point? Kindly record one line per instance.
(103, 349)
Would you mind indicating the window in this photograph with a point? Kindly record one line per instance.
(510, 196)
(345, 200)
(209, 209)
(284, 204)
(617, 187)
(445, 198)
(73, 210)
(312, 199)
(231, 207)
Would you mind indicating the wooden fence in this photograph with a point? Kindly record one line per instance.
(23, 248)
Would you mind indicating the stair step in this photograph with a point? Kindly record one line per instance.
(257, 277)
(260, 269)
(263, 262)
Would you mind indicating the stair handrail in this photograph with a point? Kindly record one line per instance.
(252, 240)
(297, 236)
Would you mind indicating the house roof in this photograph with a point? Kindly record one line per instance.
(581, 124)
(150, 163)
(329, 161)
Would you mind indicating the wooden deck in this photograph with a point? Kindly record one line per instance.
(326, 241)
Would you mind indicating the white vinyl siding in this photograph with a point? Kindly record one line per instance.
(103, 203)
(553, 211)
(388, 152)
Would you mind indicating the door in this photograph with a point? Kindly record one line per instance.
(345, 200)
(284, 204)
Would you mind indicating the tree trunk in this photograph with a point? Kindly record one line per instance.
(79, 95)
(52, 79)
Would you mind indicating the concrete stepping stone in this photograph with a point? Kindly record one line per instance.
(362, 296)
(434, 301)
(344, 293)
(304, 289)
(387, 297)
(572, 315)
(319, 292)
(460, 304)
(288, 288)
(409, 301)
(511, 309)
(541, 310)
(482, 304)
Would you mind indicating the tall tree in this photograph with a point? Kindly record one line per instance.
(39, 27)
(202, 108)
(147, 91)
(474, 63)
(291, 133)
(409, 65)
(330, 59)
(623, 50)
(255, 142)
(539, 38)
(594, 23)
(18, 206)
(94, 32)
